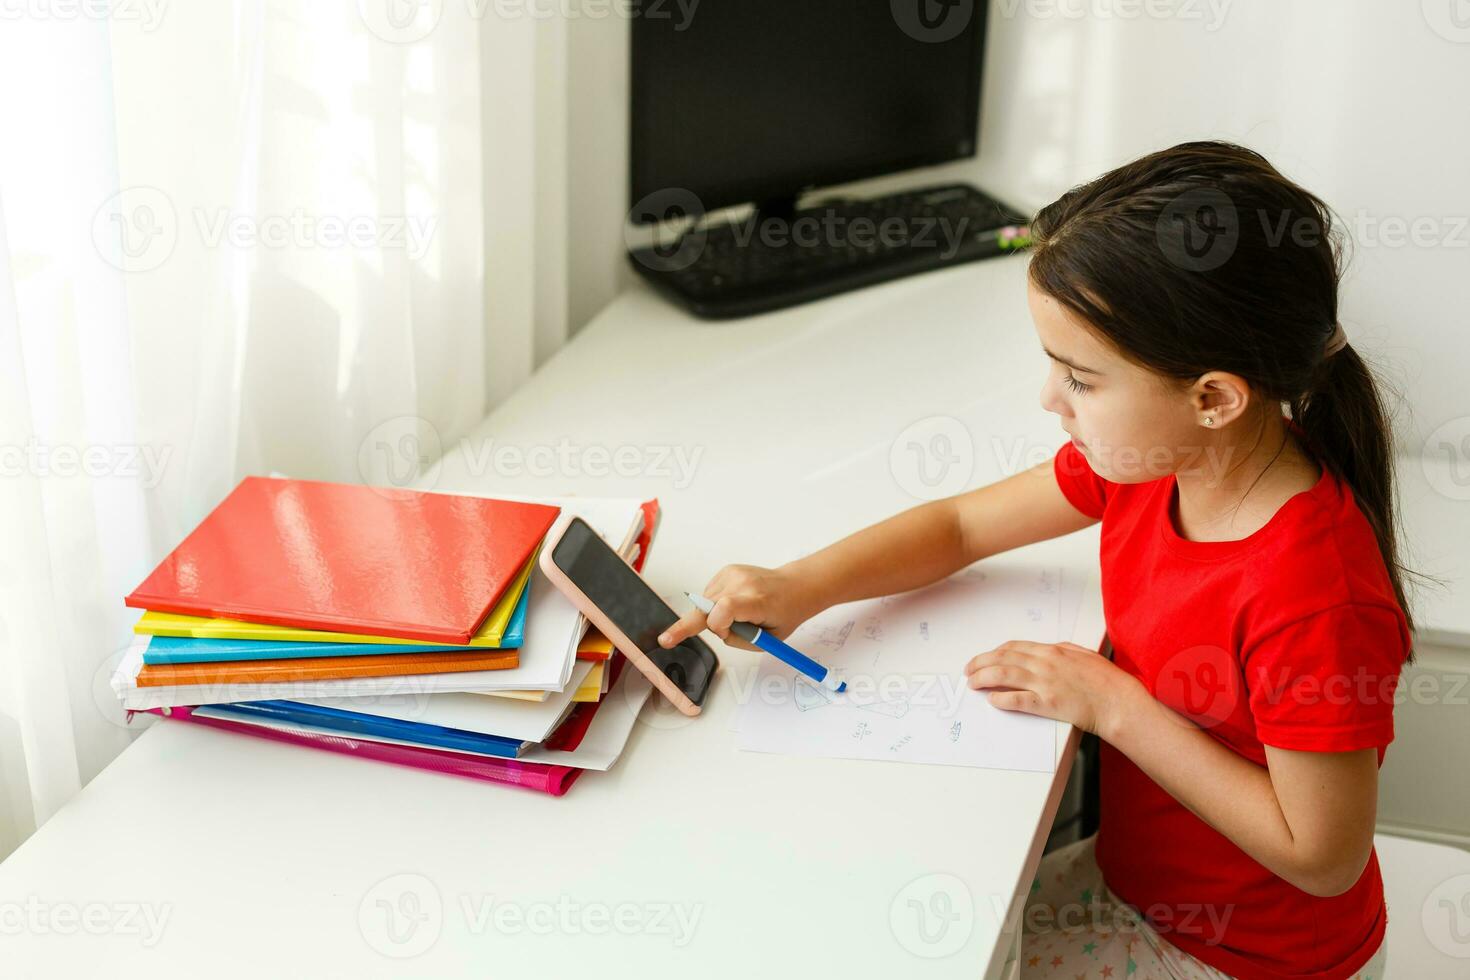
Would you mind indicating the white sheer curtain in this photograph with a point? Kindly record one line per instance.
(234, 238)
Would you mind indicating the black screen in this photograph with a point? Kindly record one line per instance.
(743, 100)
(636, 609)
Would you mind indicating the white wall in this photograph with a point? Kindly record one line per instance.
(1363, 103)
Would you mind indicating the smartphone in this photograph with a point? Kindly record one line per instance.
(617, 601)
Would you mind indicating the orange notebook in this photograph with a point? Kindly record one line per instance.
(324, 668)
(594, 645)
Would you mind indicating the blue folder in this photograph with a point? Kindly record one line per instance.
(357, 723)
(197, 650)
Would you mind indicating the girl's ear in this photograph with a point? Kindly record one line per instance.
(1219, 396)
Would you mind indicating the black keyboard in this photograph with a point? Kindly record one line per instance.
(762, 263)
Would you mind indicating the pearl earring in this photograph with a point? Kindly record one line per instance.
(1209, 420)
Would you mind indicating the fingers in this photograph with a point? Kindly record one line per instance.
(689, 624)
(1010, 652)
(1027, 701)
(735, 595)
(1007, 676)
(727, 609)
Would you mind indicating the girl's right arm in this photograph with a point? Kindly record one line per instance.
(907, 551)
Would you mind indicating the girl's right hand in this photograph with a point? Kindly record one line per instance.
(777, 600)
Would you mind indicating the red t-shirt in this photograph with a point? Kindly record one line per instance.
(1290, 637)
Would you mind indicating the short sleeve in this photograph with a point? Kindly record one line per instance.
(1326, 682)
(1083, 488)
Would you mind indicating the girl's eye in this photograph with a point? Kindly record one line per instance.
(1076, 385)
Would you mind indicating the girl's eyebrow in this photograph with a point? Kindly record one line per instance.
(1070, 363)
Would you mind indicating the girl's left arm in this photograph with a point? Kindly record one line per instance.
(1307, 816)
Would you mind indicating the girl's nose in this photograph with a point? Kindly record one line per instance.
(1051, 399)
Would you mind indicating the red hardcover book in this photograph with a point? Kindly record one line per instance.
(347, 558)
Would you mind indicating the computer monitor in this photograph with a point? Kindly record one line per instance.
(759, 101)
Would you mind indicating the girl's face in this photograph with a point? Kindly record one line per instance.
(1131, 424)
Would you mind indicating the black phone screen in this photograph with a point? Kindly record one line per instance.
(633, 607)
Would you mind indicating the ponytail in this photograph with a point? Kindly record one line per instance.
(1348, 430)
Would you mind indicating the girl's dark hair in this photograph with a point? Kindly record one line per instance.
(1203, 257)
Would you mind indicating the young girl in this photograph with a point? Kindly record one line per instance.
(1253, 598)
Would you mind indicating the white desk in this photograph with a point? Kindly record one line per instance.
(263, 855)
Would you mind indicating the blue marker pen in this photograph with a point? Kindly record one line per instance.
(751, 633)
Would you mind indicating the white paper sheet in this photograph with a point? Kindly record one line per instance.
(601, 744)
(611, 726)
(903, 658)
(527, 721)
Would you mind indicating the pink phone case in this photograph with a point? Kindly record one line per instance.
(619, 639)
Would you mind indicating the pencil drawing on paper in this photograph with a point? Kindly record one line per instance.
(896, 708)
(903, 658)
(806, 696)
(833, 638)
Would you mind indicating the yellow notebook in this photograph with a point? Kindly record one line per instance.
(591, 689)
(490, 633)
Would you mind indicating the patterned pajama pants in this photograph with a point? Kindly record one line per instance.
(1075, 929)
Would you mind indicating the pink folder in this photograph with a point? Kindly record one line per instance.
(540, 777)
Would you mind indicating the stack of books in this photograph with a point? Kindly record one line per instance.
(396, 625)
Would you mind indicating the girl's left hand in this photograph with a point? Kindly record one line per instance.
(1056, 680)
